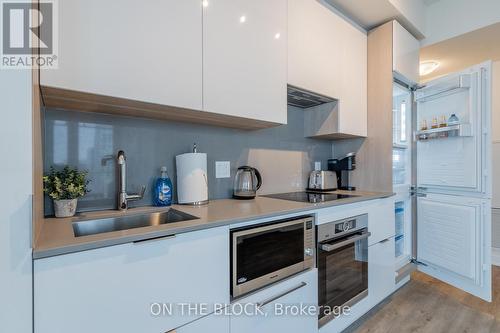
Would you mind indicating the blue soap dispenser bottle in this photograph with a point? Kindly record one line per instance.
(162, 195)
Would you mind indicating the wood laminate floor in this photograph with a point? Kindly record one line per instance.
(427, 305)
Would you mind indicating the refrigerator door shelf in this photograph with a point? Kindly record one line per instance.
(442, 88)
(462, 130)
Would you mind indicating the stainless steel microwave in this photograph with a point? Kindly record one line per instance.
(264, 254)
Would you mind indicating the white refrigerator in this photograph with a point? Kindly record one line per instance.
(442, 177)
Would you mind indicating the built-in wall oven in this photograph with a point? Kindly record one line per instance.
(342, 265)
(263, 254)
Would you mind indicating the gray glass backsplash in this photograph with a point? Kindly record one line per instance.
(90, 141)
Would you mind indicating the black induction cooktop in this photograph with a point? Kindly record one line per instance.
(312, 197)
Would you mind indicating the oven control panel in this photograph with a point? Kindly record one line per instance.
(340, 228)
(345, 226)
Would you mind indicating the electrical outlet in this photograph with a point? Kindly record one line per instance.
(222, 169)
(317, 165)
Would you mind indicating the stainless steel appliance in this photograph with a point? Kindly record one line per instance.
(309, 196)
(343, 167)
(246, 183)
(322, 180)
(342, 264)
(264, 254)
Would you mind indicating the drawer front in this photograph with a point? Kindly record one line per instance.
(120, 288)
(292, 293)
(217, 323)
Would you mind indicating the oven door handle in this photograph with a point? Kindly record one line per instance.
(334, 246)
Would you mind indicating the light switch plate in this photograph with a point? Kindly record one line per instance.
(222, 169)
(317, 166)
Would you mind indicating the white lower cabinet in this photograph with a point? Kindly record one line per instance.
(133, 287)
(289, 295)
(216, 323)
(381, 270)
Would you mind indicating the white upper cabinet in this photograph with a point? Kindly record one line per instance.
(126, 49)
(328, 55)
(244, 58)
(406, 54)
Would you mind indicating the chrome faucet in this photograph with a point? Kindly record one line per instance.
(123, 196)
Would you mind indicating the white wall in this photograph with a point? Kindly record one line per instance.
(449, 18)
(496, 102)
(15, 202)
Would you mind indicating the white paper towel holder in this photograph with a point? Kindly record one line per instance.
(193, 201)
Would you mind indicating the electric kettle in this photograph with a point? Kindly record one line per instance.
(246, 183)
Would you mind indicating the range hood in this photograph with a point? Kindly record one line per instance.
(304, 99)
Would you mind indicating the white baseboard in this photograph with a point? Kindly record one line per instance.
(495, 256)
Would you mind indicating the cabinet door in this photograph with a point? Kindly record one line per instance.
(328, 55)
(406, 54)
(381, 221)
(291, 293)
(124, 288)
(216, 323)
(313, 50)
(244, 58)
(147, 52)
(381, 270)
(454, 241)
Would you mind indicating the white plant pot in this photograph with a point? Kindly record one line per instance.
(65, 208)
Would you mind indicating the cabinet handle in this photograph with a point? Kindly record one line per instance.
(273, 298)
(153, 239)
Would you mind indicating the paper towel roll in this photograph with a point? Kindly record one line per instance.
(192, 182)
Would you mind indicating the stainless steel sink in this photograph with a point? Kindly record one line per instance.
(93, 227)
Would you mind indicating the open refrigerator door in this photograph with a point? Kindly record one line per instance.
(453, 172)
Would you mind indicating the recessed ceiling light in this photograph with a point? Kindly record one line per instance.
(277, 36)
(205, 3)
(243, 19)
(428, 67)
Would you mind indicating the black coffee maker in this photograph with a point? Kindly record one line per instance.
(342, 168)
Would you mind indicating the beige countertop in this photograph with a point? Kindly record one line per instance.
(57, 236)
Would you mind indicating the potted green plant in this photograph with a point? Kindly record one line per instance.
(64, 187)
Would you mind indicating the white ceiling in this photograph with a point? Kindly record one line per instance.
(371, 13)
(367, 13)
(460, 52)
